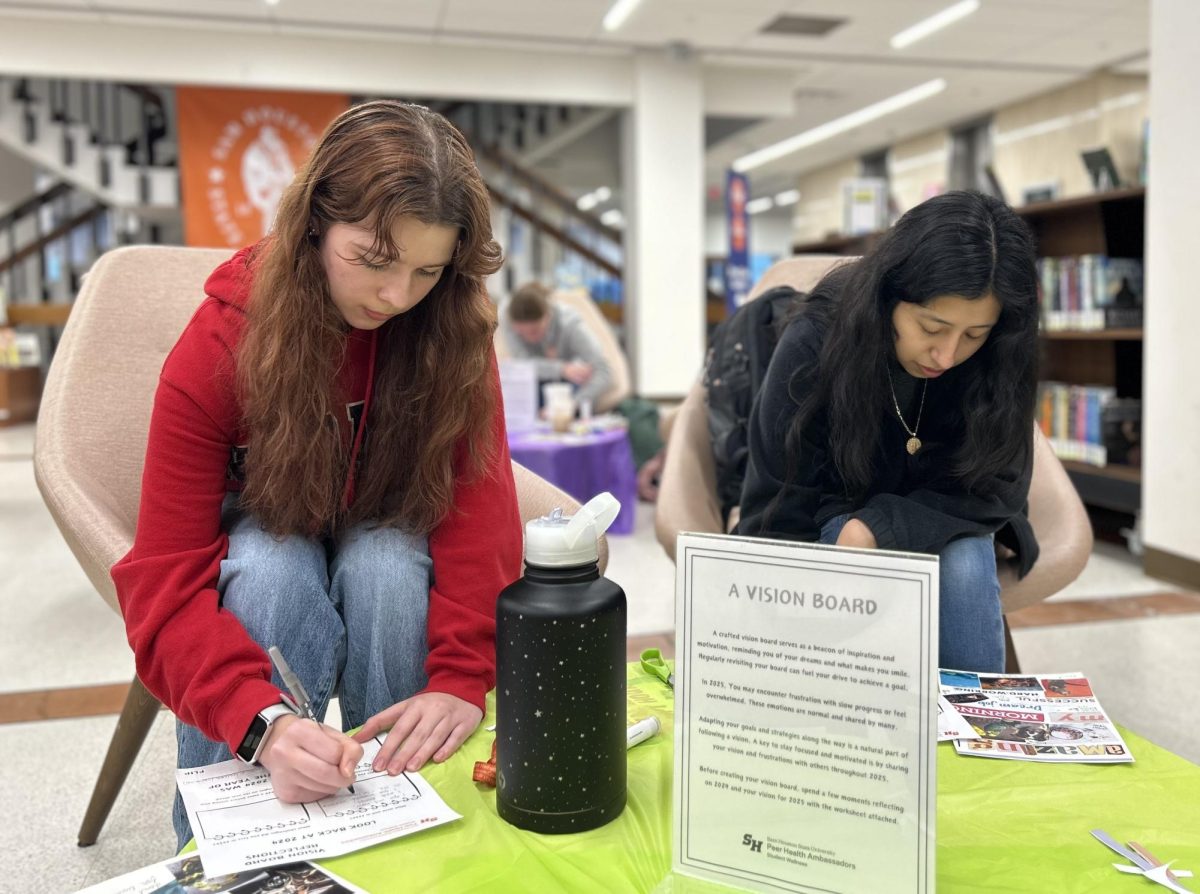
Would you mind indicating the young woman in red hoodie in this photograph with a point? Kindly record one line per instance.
(327, 471)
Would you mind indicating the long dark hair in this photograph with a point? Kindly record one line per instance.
(960, 243)
(433, 395)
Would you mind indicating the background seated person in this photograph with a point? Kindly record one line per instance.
(537, 328)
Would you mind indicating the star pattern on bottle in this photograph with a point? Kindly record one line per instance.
(538, 670)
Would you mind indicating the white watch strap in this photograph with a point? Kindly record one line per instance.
(270, 714)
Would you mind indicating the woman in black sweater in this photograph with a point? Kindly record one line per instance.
(898, 410)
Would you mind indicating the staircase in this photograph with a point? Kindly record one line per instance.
(106, 154)
(546, 232)
(99, 178)
(101, 138)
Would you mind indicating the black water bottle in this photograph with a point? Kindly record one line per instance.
(560, 680)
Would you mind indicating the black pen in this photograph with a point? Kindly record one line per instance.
(295, 688)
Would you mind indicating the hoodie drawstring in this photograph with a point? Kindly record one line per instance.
(348, 493)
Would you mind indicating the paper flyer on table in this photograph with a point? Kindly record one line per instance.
(239, 824)
(951, 724)
(1054, 718)
(185, 875)
(519, 386)
(805, 716)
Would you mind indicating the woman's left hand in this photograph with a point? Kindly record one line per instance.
(856, 534)
(428, 725)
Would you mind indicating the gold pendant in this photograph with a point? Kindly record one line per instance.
(913, 445)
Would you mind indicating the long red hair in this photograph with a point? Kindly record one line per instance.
(433, 398)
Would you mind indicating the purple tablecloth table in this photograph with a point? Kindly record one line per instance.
(583, 465)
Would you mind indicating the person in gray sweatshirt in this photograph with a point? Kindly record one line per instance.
(538, 328)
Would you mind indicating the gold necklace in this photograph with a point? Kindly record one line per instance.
(914, 443)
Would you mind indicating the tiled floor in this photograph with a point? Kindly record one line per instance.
(58, 635)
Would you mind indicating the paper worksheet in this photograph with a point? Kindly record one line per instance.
(239, 824)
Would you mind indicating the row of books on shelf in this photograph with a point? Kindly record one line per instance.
(1091, 292)
(1090, 424)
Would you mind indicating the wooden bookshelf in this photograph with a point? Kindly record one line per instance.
(1069, 206)
(38, 314)
(1110, 223)
(1094, 335)
(1113, 471)
(838, 245)
(20, 391)
(1115, 218)
(1115, 487)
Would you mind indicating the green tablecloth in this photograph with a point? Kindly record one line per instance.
(1003, 826)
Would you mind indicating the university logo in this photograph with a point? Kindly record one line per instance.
(239, 149)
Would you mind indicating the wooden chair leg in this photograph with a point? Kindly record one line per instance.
(132, 727)
(1011, 665)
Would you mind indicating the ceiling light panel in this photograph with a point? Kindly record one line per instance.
(936, 22)
(841, 125)
(619, 13)
(412, 14)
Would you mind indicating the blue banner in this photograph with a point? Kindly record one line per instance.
(737, 262)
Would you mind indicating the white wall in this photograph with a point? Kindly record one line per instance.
(1039, 140)
(1171, 383)
(664, 210)
(919, 168)
(770, 233)
(818, 214)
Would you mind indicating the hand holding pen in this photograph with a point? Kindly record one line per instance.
(305, 759)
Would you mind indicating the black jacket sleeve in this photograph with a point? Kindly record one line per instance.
(793, 370)
(926, 519)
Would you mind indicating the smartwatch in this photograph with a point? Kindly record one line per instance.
(251, 747)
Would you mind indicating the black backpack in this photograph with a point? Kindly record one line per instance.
(734, 369)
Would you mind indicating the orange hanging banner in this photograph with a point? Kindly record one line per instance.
(238, 150)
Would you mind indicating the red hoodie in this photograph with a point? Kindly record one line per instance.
(194, 655)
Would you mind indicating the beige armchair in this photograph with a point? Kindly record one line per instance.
(581, 302)
(687, 499)
(91, 440)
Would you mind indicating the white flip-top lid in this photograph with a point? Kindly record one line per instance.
(558, 540)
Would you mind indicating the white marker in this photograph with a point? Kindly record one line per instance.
(641, 731)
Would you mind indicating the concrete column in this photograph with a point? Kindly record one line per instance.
(1171, 408)
(663, 134)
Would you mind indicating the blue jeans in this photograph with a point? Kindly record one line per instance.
(349, 617)
(970, 620)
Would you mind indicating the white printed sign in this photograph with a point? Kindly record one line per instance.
(805, 716)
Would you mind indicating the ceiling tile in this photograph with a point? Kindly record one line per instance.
(25, 5)
(667, 24)
(183, 11)
(1089, 8)
(563, 20)
(416, 15)
(1085, 48)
